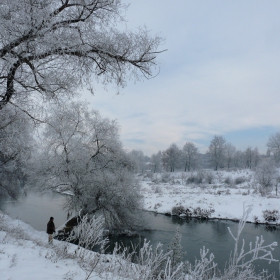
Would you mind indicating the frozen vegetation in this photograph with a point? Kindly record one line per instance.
(210, 194)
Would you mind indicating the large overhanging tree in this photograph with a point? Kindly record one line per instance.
(82, 154)
(16, 145)
(54, 46)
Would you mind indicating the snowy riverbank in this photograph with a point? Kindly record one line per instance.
(226, 195)
(26, 254)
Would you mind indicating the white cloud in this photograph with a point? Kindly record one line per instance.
(220, 73)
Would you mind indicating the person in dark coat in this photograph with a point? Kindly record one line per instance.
(50, 229)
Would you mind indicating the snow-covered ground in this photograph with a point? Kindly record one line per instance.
(25, 254)
(23, 248)
(225, 194)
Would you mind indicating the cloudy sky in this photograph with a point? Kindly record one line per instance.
(220, 76)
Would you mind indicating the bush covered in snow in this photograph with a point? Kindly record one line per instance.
(228, 180)
(202, 213)
(178, 210)
(192, 212)
(191, 179)
(165, 177)
(200, 177)
(209, 177)
(239, 180)
(271, 215)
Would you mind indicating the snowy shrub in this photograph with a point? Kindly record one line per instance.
(228, 192)
(203, 187)
(191, 179)
(256, 220)
(183, 178)
(149, 175)
(271, 215)
(155, 179)
(209, 177)
(165, 177)
(89, 232)
(157, 205)
(219, 176)
(174, 181)
(189, 212)
(202, 213)
(196, 178)
(228, 180)
(158, 189)
(277, 181)
(272, 196)
(265, 175)
(175, 247)
(177, 210)
(2, 222)
(13, 261)
(204, 268)
(200, 177)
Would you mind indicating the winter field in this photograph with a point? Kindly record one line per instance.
(223, 192)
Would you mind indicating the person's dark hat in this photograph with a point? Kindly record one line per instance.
(51, 218)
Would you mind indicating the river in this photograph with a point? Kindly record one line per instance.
(36, 210)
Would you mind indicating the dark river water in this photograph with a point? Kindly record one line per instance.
(214, 235)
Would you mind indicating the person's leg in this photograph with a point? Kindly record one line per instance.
(50, 238)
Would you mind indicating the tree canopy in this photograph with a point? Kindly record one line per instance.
(52, 47)
(82, 154)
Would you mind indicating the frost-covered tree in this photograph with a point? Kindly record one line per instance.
(273, 145)
(16, 145)
(51, 47)
(171, 157)
(82, 154)
(217, 151)
(257, 157)
(239, 159)
(266, 175)
(190, 156)
(138, 161)
(230, 151)
(251, 157)
(156, 162)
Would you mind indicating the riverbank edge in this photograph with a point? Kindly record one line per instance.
(169, 213)
(211, 218)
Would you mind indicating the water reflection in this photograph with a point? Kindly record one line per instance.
(214, 235)
(36, 209)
